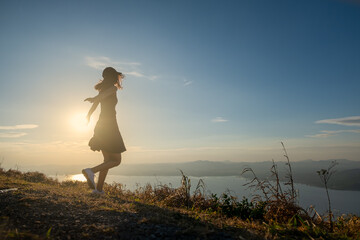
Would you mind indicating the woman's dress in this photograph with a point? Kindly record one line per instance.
(107, 136)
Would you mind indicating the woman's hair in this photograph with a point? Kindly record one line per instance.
(111, 78)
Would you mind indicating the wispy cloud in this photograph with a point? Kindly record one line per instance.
(12, 134)
(7, 134)
(187, 82)
(138, 74)
(346, 121)
(102, 62)
(219, 119)
(128, 68)
(326, 133)
(16, 127)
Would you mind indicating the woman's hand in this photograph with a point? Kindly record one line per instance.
(90, 99)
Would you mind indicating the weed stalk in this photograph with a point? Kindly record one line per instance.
(325, 175)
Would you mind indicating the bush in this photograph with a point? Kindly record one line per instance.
(245, 210)
(35, 177)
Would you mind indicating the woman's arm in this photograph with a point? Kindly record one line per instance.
(102, 95)
(92, 109)
(96, 100)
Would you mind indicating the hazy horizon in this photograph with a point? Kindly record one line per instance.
(209, 80)
(11, 165)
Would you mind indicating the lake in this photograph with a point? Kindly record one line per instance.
(341, 201)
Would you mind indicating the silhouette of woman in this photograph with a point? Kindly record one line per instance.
(107, 137)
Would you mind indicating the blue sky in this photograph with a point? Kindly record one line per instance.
(206, 80)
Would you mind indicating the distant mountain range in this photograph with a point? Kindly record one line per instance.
(346, 177)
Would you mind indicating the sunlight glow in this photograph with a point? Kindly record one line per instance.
(79, 123)
(77, 177)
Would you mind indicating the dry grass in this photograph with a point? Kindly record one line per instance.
(277, 216)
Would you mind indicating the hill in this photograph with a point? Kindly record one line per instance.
(33, 206)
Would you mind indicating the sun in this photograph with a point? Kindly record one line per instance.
(79, 123)
(77, 177)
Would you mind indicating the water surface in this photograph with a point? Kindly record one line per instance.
(342, 201)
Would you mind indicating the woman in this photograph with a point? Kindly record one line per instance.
(107, 137)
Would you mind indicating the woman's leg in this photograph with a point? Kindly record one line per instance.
(110, 160)
(101, 179)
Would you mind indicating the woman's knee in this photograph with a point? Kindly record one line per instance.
(116, 158)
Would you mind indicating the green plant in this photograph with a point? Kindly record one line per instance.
(244, 209)
(48, 233)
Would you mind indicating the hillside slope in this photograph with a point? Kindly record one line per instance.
(33, 206)
(40, 207)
